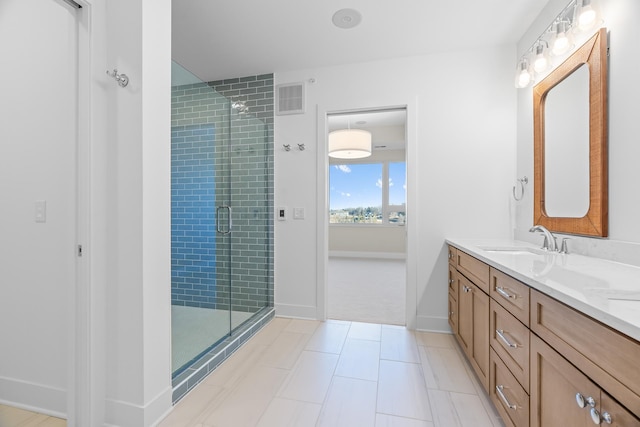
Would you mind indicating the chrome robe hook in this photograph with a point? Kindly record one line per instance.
(122, 79)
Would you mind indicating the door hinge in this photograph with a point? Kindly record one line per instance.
(79, 250)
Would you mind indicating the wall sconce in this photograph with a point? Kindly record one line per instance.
(562, 39)
(524, 75)
(578, 17)
(587, 15)
(541, 62)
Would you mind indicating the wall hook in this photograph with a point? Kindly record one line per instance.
(301, 147)
(122, 79)
(287, 147)
(522, 181)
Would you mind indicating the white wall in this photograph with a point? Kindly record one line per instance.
(371, 240)
(98, 352)
(137, 180)
(461, 145)
(620, 18)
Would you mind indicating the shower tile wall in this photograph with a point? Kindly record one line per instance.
(200, 118)
(252, 187)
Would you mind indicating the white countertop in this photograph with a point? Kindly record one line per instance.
(607, 291)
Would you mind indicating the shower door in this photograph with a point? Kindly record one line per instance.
(201, 224)
(222, 238)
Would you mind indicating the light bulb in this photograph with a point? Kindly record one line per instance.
(541, 62)
(524, 78)
(523, 75)
(562, 42)
(587, 17)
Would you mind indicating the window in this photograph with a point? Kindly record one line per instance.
(367, 193)
(396, 207)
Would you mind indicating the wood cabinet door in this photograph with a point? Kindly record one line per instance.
(480, 344)
(465, 313)
(453, 283)
(453, 314)
(618, 415)
(554, 386)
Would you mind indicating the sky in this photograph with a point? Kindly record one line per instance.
(360, 185)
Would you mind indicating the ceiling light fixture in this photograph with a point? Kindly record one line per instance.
(349, 144)
(346, 18)
(579, 17)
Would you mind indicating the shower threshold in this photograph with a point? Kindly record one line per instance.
(189, 377)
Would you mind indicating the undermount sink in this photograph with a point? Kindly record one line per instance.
(513, 250)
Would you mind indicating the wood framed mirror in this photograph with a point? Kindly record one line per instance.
(553, 207)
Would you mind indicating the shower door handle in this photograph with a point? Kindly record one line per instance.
(229, 222)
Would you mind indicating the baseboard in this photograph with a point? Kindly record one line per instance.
(373, 255)
(296, 311)
(433, 324)
(33, 397)
(121, 414)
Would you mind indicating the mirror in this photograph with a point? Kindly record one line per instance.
(566, 151)
(570, 141)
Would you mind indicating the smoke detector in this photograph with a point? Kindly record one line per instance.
(346, 18)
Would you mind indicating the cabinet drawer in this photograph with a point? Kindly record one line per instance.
(605, 355)
(452, 256)
(511, 294)
(510, 340)
(453, 284)
(475, 270)
(453, 314)
(507, 395)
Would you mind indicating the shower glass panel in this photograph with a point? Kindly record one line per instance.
(222, 187)
(200, 266)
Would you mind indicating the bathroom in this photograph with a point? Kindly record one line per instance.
(468, 174)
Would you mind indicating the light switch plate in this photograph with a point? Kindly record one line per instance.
(298, 213)
(41, 211)
(281, 213)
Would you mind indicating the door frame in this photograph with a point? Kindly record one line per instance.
(322, 226)
(85, 404)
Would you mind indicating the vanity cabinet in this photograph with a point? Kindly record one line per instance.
(599, 353)
(543, 363)
(471, 283)
(562, 395)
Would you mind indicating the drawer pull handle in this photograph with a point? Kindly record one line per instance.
(595, 416)
(504, 339)
(465, 288)
(499, 389)
(451, 281)
(606, 417)
(584, 401)
(504, 293)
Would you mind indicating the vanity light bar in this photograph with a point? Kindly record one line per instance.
(578, 17)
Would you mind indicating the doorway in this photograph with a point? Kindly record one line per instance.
(39, 188)
(367, 199)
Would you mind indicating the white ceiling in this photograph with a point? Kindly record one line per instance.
(217, 39)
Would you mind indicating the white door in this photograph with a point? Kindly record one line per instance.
(38, 126)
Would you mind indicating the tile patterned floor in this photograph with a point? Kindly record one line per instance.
(14, 417)
(339, 373)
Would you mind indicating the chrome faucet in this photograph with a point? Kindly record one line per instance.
(549, 239)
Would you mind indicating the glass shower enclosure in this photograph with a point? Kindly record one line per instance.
(221, 209)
